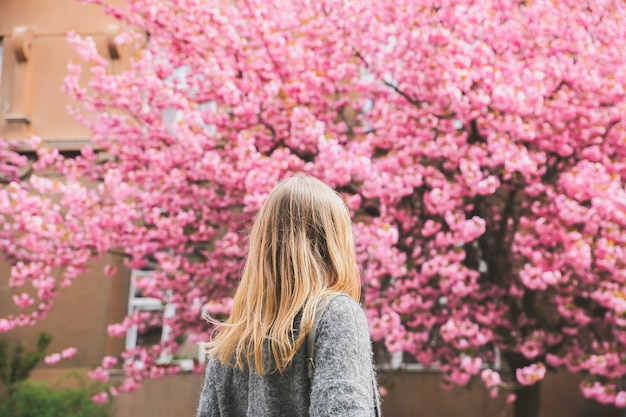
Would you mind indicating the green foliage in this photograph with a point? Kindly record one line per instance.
(17, 367)
(16, 364)
(32, 399)
(35, 399)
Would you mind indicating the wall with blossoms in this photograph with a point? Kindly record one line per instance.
(479, 147)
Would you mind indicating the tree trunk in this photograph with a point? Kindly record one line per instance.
(528, 401)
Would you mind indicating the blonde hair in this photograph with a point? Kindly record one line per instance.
(300, 249)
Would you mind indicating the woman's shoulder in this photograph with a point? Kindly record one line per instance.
(343, 330)
(340, 300)
(343, 307)
(214, 366)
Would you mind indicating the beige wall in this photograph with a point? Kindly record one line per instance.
(418, 394)
(413, 394)
(79, 317)
(32, 87)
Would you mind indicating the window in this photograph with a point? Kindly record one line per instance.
(388, 361)
(182, 80)
(155, 331)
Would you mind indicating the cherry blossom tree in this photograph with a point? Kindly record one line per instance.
(479, 145)
(36, 231)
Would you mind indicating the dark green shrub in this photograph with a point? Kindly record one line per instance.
(35, 399)
(17, 363)
(22, 398)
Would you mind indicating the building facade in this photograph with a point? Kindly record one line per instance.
(33, 59)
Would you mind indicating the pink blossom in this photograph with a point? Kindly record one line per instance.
(157, 372)
(470, 365)
(114, 391)
(129, 385)
(101, 397)
(110, 270)
(530, 374)
(68, 353)
(52, 359)
(488, 185)
(23, 300)
(116, 330)
(108, 362)
(491, 378)
(430, 228)
(554, 360)
(354, 202)
(34, 142)
(98, 374)
(531, 349)
(6, 325)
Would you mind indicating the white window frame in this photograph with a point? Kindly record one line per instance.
(169, 311)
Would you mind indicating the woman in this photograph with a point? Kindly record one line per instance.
(301, 254)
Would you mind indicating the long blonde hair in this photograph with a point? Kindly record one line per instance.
(300, 249)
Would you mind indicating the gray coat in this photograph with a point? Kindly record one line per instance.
(343, 383)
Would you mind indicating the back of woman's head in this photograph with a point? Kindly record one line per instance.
(300, 249)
